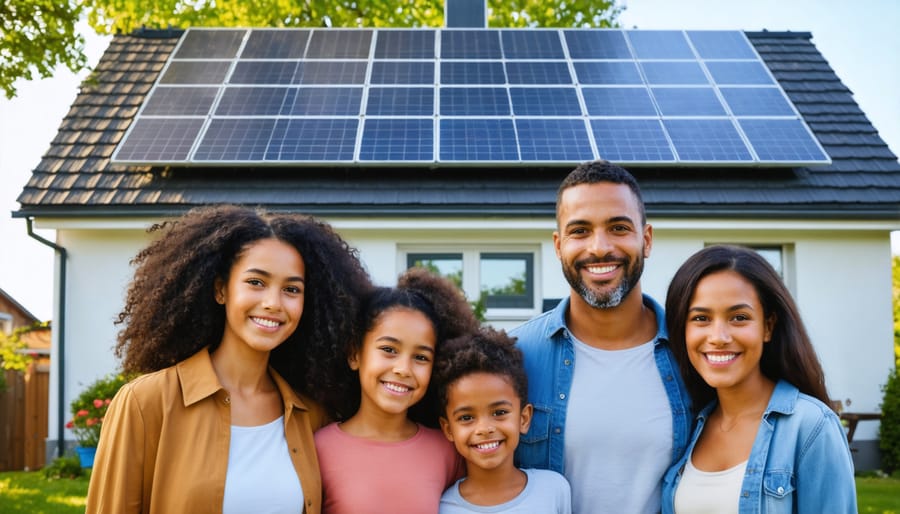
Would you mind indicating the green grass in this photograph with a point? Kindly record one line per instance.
(28, 492)
(876, 495)
(24, 492)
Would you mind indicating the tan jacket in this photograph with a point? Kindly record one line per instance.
(164, 444)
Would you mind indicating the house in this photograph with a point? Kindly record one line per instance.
(24, 393)
(825, 223)
(13, 314)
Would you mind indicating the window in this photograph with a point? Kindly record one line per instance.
(449, 265)
(774, 254)
(503, 279)
(507, 280)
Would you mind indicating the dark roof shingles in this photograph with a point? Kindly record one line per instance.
(76, 170)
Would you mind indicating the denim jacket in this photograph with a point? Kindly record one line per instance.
(800, 461)
(549, 363)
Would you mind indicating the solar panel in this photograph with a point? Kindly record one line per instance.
(618, 101)
(319, 96)
(470, 139)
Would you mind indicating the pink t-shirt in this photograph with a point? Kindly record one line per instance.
(361, 475)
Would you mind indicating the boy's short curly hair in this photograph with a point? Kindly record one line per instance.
(486, 351)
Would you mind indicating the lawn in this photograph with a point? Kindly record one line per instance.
(24, 492)
(28, 492)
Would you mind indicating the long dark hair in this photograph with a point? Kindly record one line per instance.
(788, 356)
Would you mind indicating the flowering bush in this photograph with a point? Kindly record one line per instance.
(90, 407)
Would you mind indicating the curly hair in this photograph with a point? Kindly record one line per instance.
(789, 355)
(418, 289)
(486, 351)
(170, 311)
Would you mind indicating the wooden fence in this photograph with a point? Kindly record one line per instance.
(23, 417)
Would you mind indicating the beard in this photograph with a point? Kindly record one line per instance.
(605, 299)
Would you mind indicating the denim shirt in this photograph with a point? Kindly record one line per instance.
(800, 460)
(550, 361)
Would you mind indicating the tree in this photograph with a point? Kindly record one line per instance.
(40, 34)
(36, 36)
(896, 283)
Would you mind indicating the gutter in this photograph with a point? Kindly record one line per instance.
(60, 326)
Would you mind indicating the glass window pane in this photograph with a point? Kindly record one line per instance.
(507, 280)
(449, 265)
(773, 255)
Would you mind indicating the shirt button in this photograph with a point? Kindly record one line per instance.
(557, 430)
(294, 450)
(781, 490)
(567, 362)
(562, 396)
(227, 399)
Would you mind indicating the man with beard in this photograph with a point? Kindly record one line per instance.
(610, 409)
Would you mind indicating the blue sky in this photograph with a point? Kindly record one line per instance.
(859, 39)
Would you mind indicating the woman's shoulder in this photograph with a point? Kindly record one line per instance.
(150, 384)
(811, 408)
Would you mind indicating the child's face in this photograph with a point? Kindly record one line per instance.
(484, 418)
(395, 361)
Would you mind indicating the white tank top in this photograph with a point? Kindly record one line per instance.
(713, 492)
(261, 478)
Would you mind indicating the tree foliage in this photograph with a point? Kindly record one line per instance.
(896, 288)
(38, 35)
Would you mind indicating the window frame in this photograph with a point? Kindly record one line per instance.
(471, 278)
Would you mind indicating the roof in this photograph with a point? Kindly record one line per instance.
(75, 178)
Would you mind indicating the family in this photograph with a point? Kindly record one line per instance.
(277, 379)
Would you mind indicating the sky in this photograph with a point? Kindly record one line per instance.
(859, 39)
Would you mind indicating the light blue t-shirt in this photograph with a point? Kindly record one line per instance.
(618, 433)
(546, 492)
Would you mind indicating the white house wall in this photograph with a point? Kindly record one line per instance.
(840, 275)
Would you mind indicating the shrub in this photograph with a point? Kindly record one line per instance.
(889, 429)
(89, 409)
(63, 467)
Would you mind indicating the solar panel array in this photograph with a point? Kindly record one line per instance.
(467, 97)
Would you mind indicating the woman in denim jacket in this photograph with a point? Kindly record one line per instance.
(766, 442)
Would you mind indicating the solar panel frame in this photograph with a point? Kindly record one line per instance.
(503, 89)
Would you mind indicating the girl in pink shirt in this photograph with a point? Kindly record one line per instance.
(385, 453)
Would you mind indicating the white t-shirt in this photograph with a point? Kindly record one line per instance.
(709, 492)
(618, 433)
(261, 478)
(546, 492)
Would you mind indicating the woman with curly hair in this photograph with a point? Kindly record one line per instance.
(385, 453)
(229, 315)
(766, 440)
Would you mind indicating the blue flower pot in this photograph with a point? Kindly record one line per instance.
(86, 456)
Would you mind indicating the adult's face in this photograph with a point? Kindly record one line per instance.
(601, 242)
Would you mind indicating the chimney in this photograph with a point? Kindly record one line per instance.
(469, 14)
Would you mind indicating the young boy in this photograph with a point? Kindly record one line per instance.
(482, 390)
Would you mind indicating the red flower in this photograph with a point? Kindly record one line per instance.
(70, 424)
(81, 413)
(106, 401)
(91, 422)
(98, 403)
